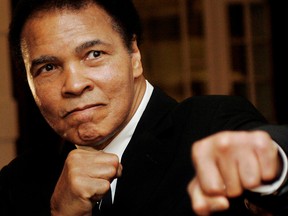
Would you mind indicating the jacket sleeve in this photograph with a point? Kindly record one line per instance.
(276, 203)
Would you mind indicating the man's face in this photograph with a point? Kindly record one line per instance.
(84, 80)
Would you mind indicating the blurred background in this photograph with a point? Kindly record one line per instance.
(190, 47)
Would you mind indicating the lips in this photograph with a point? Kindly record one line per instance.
(79, 109)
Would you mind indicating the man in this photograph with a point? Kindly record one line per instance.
(124, 137)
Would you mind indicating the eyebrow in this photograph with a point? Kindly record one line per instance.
(89, 44)
(42, 60)
(47, 59)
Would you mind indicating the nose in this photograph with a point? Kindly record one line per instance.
(75, 82)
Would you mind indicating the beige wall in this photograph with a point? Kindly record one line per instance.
(8, 117)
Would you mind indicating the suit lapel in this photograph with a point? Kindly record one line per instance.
(147, 156)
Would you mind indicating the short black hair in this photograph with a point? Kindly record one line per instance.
(125, 18)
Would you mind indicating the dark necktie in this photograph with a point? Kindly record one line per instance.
(104, 207)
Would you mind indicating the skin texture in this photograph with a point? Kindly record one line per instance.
(228, 163)
(88, 85)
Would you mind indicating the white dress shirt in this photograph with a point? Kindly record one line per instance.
(120, 142)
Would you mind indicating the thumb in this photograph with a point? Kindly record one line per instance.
(203, 204)
(119, 170)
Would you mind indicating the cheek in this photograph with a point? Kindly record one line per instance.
(47, 101)
(49, 110)
(122, 76)
(122, 92)
(115, 80)
(122, 104)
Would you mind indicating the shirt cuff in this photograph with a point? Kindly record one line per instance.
(273, 187)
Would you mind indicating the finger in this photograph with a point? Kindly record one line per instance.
(95, 164)
(85, 188)
(205, 205)
(237, 162)
(206, 168)
(93, 156)
(228, 168)
(249, 170)
(226, 163)
(119, 170)
(103, 171)
(267, 155)
(97, 189)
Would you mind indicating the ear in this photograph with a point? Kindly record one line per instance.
(136, 60)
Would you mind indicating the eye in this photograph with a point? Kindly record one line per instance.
(48, 67)
(44, 69)
(94, 54)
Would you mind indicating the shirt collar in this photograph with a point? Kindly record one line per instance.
(120, 142)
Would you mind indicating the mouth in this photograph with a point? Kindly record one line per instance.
(79, 109)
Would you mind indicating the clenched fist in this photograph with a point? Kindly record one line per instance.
(84, 180)
(227, 163)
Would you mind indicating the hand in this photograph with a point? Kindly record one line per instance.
(84, 180)
(227, 163)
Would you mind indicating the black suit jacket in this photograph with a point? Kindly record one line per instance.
(156, 164)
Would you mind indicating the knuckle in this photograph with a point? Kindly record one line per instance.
(114, 159)
(212, 189)
(113, 170)
(196, 150)
(73, 156)
(76, 186)
(251, 182)
(224, 143)
(261, 139)
(270, 174)
(76, 182)
(201, 208)
(234, 192)
(261, 143)
(105, 185)
(224, 146)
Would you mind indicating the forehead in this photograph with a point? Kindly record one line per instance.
(50, 24)
(90, 11)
